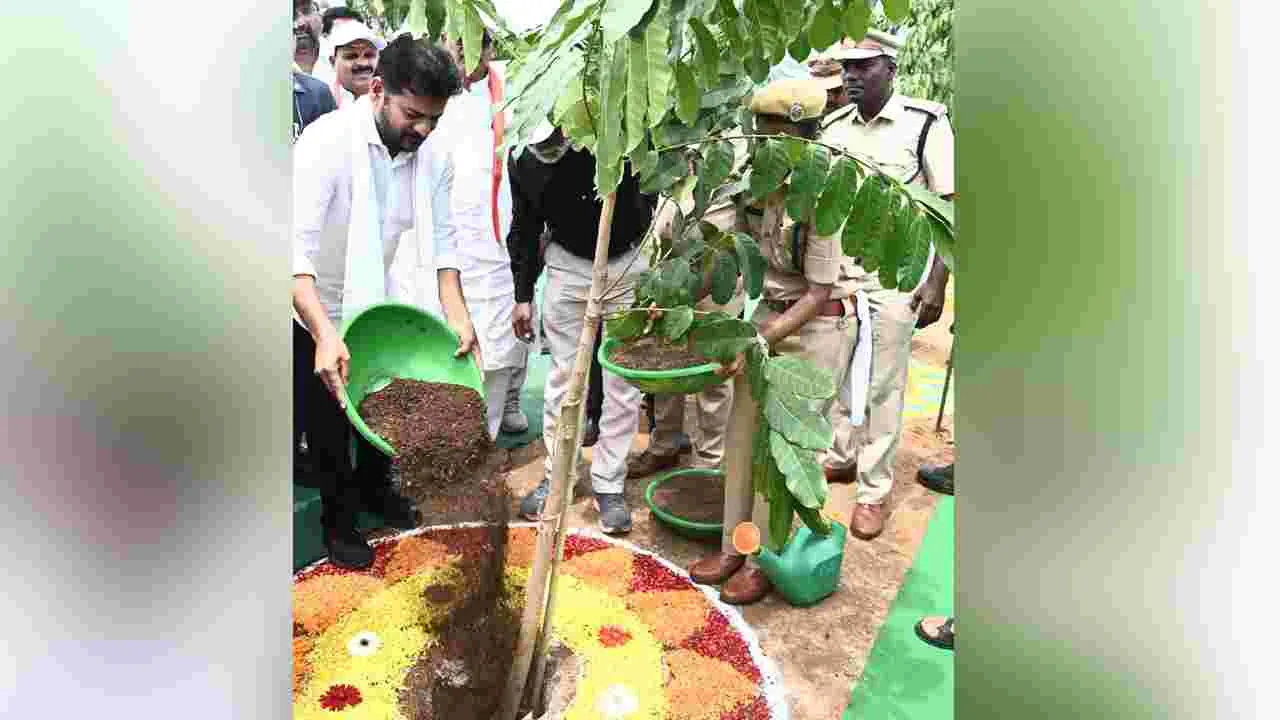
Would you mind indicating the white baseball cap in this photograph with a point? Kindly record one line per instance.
(541, 132)
(349, 32)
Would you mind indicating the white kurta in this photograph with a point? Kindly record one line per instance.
(466, 129)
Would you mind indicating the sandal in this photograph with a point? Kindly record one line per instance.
(946, 637)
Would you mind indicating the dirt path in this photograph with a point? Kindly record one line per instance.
(821, 650)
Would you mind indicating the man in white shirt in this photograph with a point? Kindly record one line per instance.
(355, 57)
(474, 125)
(334, 17)
(357, 173)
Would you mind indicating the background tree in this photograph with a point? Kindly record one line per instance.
(926, 64)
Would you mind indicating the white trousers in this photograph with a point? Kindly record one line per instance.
(564, 307)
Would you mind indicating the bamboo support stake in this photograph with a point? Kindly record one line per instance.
(550, 526)
(946, 386)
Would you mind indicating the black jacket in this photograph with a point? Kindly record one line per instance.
(311, 99)
(562, 196)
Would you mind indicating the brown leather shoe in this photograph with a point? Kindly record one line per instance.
(716, 568)
(866, 521)
(648, 463)
(748, 585)
(841, 475)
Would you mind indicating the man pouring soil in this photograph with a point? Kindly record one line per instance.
(354, 194)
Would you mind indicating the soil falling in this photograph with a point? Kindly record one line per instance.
(655, 353)
(446, 464)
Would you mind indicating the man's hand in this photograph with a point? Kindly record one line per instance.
(927, 301)
(333, 365)
(467, 341)
(522, 321)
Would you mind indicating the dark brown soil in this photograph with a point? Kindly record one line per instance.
(695, 498)
(447, 465)
(655, 353)
(437, 429)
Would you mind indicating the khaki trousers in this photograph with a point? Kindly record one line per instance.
(828, 343)
(875, 442)
(711, 407)
(564, 307)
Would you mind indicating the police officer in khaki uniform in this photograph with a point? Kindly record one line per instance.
(911, 140)
(806, 310)
(711, 406)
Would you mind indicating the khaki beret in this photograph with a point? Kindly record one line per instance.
(795, 100)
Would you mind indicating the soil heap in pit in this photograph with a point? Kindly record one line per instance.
(445, 463)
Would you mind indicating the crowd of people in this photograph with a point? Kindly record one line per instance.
(401, 191)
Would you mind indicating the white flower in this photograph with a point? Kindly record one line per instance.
(365, 643)
(616, 702)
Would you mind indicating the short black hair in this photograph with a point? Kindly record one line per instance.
(415, 67)
(335, 13)
(487, 41)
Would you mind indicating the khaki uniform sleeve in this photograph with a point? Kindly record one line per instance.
(822, 259)
(940, 157)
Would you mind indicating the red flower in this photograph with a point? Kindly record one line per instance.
(340, 697)
(613, 636)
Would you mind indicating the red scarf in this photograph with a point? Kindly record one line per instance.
(499, 125)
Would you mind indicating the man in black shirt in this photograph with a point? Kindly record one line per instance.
(554, 185)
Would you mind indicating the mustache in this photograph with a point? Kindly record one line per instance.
(361, 69)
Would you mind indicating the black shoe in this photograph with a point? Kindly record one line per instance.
(592, 434)
(397, 511)
(938, 479)
(347, 548)
(615, 517)
(531, 504)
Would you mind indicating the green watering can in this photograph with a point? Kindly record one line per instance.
(807, 570)
(390, 341)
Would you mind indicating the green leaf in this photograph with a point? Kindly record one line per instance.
(673, 283)
(855, 239)
(735, 29)
(796, 419)
(825, 31)
(708, 53)
(417, 22)
(675, 322)
(944, 210)
(857, 18)
(879, 230)
(472, 37)
(915, 252)
(645, 163)
(751, 263)
(619, 16)
(717, 163)
(724, 278)
(806, 182)
(799, 49)
(814, 520)
(686, 95)
(837, 198)
(789, 373)
(609, 143)
(672, 166)
(729, 91)
(627, 325)
(897, 10)
(805, 479)
(796, 148)
(894, 247)
(661, 77)
(781, 509)
(757, 363)
(769, 167)
(637, 91)
(756, 61)
(944, 242)
(770, 26)
(723, 341)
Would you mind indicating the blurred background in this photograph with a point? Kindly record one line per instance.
(1112, 295)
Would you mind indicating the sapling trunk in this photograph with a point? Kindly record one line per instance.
(551, 525)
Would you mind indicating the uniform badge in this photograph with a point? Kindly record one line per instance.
(795, 112)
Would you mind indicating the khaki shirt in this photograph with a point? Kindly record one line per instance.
(786, 279)
(890, 140)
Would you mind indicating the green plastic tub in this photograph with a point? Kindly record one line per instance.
(390, 341)
(688, 528)
(681, 381)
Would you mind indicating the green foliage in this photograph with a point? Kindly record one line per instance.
(619, 16)
(724, 277)
(795, 419)
(807, 180)
(626, 325)
(751, 262)
(805, 480)
(800, 377)
(769, 167)
(837, 197)
(722, 341)
(676, 322)
(926, 64)
(686, 95)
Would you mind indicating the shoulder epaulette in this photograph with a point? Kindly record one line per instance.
(936, 109)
